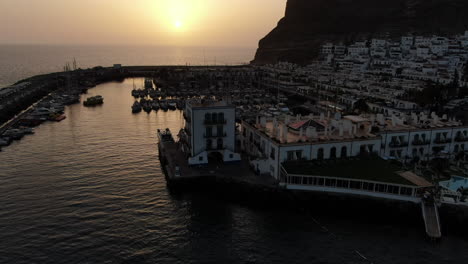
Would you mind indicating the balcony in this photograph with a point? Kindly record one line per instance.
(461, 139)
(398, 144)
(215, 148)
(442, 141)
(215, 122)
(421, 142)
(215, 136)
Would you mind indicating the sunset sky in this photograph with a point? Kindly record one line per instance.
(139, 22)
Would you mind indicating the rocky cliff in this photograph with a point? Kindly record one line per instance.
(309, 23)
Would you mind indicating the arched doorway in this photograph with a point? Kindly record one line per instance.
(215, 158)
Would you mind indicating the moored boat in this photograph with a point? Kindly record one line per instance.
(15, 134)
(147, 107)
(136, 107)
(94, 101)
(163, 104)
(155, 105)
(172, 105)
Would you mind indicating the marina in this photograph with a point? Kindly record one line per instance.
(163, 132)
(236, 163)
(127, 182)
(185, 91)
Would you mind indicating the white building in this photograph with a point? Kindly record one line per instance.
(270, 142)
(210, 132)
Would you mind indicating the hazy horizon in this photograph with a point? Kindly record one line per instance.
(180, 23)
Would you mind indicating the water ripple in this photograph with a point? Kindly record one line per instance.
(90, 190)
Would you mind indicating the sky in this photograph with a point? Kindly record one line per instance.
(214, 23)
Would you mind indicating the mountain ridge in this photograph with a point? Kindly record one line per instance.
(307, 24)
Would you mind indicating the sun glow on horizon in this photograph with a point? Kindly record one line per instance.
(161, 22)
(178, 24)
(180, 15)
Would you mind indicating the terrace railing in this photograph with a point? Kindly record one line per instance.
(421, 142)
(442, 141)
(398, 144)
(461, 139)
(215, 135)
(215, 122)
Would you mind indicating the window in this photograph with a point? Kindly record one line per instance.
(321, 181)
(320, 154)
(299, 155)
(380, 187)
(333, 153)
(368, 186)
(209, 144)
(406, 191)
(231, 156)
(220, 117)
(214, 117)
(273, 154)
(207, 117)
(344, 152)
(355, 185)
(209, 131)
(220, 131)
(330, 182)
(363, 149)
(200, 158)
(220, 143)
(294, 155)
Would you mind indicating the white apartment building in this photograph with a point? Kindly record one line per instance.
(272, 141)
(210, 132)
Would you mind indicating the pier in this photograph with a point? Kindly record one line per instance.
(431, 219)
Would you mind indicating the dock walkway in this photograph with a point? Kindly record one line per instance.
(431, 219)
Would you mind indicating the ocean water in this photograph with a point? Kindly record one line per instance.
(21, 61)
(90, 190)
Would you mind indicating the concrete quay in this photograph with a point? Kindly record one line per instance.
(178, 172)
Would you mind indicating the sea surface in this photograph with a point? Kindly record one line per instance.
(21, 61)
(90, 190)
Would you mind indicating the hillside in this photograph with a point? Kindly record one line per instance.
(309, 23)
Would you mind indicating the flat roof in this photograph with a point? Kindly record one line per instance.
(294, 137)
(208, 104)
(415, 179)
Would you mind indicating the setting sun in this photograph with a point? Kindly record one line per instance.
(178, 24)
